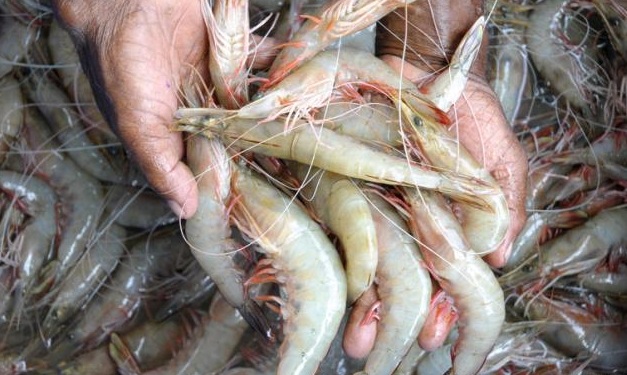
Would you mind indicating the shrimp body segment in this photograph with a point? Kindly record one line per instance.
(404, 287)
(340, 204)
(463, 275)
(308, 269)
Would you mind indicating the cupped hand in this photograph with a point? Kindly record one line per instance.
(138, 56)
(432, 31)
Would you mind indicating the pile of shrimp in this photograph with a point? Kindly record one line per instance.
(327, 238)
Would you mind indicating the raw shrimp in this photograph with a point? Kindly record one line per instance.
(574, 73)
(410, 360)
(120, 300)
(209, 233)
(79, 194)
(206, 353)
(575, 251)
(614, 15)
(36, 240)
(137, 208)
(85, 278)
(538, 223)
(462, 275)
(440, 321)
(605, 282)
(67, 127)
(15, 40)
(340, 204)
(11, 116)
(606, 153)
(227, 26)
(307, 267)
(404, 287)
(195, 287)
(326, 149)
(577, 332)
(335, 20)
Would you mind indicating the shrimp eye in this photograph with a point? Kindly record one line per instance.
(527, 268)
(71, 336)
(417, 121)
(614, 22)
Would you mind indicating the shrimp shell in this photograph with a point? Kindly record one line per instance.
(404, 287)
(462, 275)
(309, 270)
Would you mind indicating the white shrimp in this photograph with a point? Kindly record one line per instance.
(208, 231)
(339, 203)
(307, 267)
(404, 287)
(11, 115)
(462, 275)
(326, 149)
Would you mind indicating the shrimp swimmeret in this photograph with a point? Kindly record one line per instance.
(307, 266)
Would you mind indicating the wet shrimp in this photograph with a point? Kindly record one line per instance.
(361, 327)
(80, 195)
(404, 287)
(575, 251)
(15, 40)
(227, 27)
(209, 233)
(340, 204)
(85, 278)
(11, 116)
(36, 241)
(205, 353)
(462, 275)
(136, 208)
(326, 149)
(307, 267)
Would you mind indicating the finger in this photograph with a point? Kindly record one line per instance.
(486, 134)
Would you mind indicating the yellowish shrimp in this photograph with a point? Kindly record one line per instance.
(208, 231)
(227, 26)
(337, 19)
(307, 267)
(404, 287)
(339, 203)
(326, 149)
(462, 275)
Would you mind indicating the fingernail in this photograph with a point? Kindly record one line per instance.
(176, 208)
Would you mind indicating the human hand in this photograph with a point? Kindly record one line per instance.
(138, 55)
(433, 33)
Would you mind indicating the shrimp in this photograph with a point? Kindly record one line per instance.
(228, 31)
(410, 360)
(36, 240)
(15, 40)
(614, 15)
(577, 332)
(207, 352)
(79, 194)
(121, 299)
(11, 116)
(326, 149)
(68, 129)
(208, 231)
(195, 287)
(573, 252)
(340, 204)
(307, 267)
(137, 208)
(440, 321)
(462, 275)
(573, 73)
(404, 287)
(335, 20)
(84, 280)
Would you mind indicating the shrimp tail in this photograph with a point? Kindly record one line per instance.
(254, 316)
